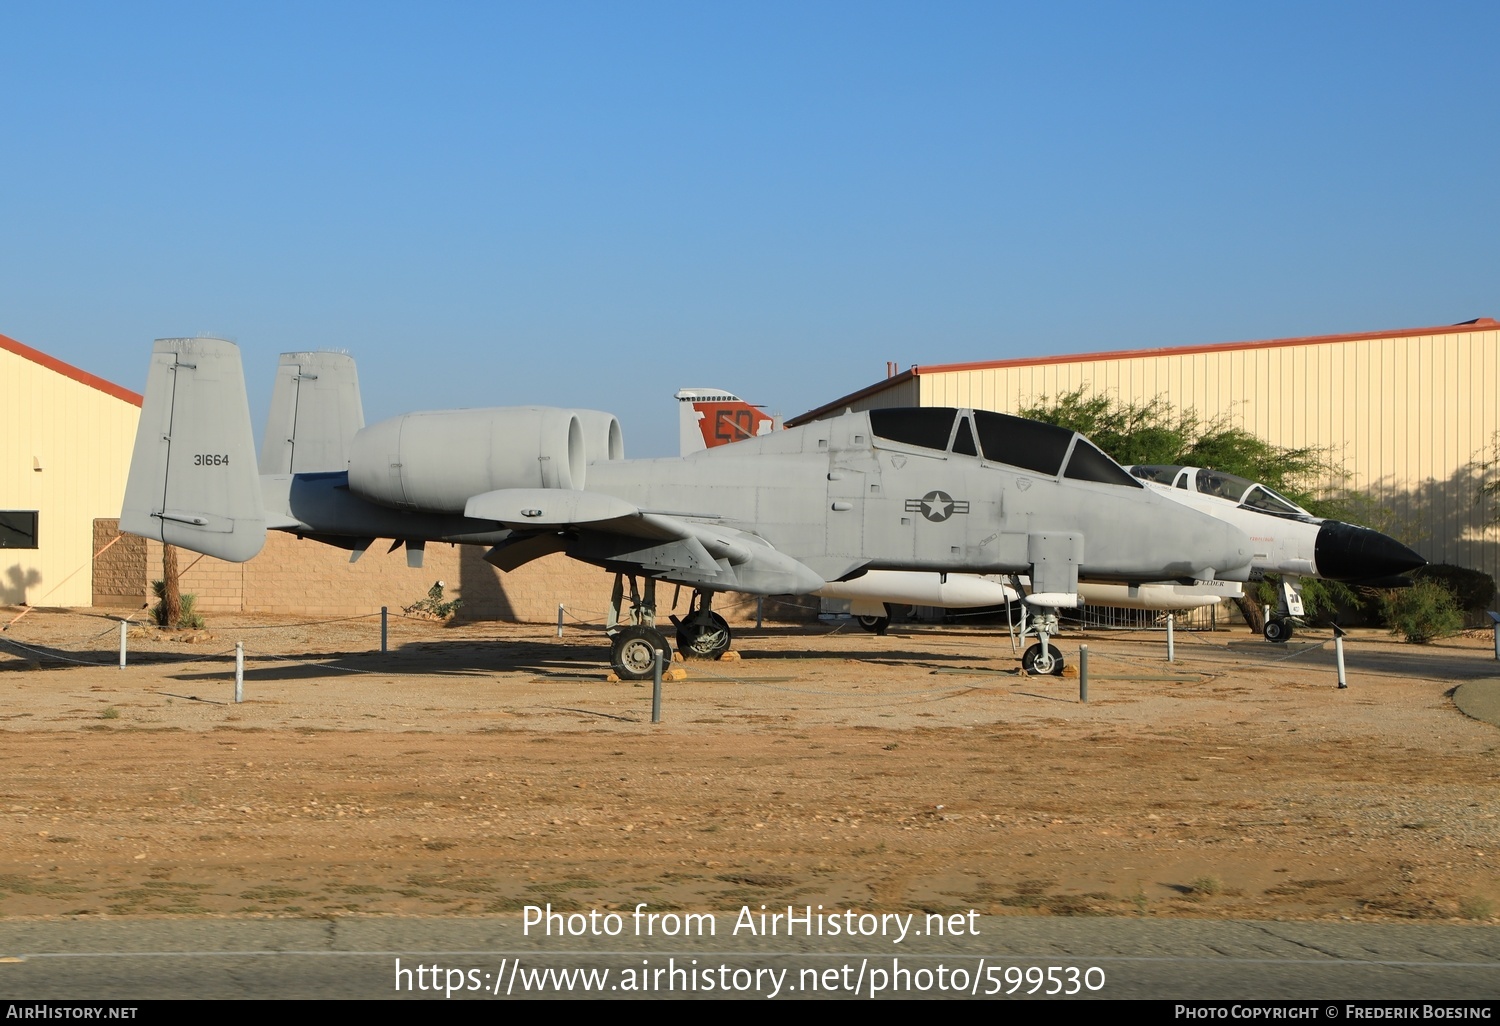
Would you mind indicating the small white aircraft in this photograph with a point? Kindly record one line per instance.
(1288, 540)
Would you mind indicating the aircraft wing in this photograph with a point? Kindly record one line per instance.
(616, 534)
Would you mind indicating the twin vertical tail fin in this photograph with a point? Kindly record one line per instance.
(193, 476)
(315, 412)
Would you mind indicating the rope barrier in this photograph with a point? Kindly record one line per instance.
(1224, 659)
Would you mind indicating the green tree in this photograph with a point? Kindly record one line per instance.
(1157, 432)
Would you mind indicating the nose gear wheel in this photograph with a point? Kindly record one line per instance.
(1048, 662)
(706, 636)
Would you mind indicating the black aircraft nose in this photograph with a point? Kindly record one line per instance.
(1344, 552)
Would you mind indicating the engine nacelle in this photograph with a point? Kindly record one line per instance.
(437, 461)
(602, 439)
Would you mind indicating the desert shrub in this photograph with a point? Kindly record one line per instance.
(1472, 590)
(189, 618)
(1422, 612)
(433, 605)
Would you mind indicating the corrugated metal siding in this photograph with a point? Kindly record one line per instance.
(902, 393)
(1405, 415)
(83, 439)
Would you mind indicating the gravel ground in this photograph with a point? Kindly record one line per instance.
(477, 768)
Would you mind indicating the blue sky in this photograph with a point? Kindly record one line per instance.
(593, 204)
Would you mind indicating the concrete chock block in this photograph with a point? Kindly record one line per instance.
(1070, 670)
(673, 674)
(729, 657)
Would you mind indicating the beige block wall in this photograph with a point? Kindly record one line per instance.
(119, 566)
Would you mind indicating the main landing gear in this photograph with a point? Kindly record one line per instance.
(1045, 661)
(1043, 658)
(635, 639)
(876, 625)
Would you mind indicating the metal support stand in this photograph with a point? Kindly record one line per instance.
(646, 615)
(1083, 673)
(1010, 625)
(642, 605)
(384, 628)
(239, 671)
(616, 595)
(123, 627)
(656, 688)
(1171, 640)
(1338, 654)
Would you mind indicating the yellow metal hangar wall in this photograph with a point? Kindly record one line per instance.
(1406, 412)
(66, 437)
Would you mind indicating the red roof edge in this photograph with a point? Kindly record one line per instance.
(1477, 324)
(68, 370)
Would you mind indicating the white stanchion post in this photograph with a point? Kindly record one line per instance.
(656, 688)
(1338, 654)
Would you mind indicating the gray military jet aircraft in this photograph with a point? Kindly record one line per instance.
(934, 489)
(711, 417)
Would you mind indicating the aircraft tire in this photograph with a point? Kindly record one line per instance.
(703, 638)
(876, 625)
(1050, 665)
(1278, 631)
(633, 651)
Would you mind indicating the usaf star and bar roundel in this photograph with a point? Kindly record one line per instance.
(937, 506)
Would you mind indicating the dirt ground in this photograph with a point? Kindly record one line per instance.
(481, 768)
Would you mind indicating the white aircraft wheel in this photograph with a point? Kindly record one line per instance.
(1048, 663)
(1277, 630)
(703, 638)
(633, 652)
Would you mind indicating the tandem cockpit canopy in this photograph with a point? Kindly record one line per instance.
(1239, 490)
(1000, 438)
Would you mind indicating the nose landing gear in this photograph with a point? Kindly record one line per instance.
(702, 634)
